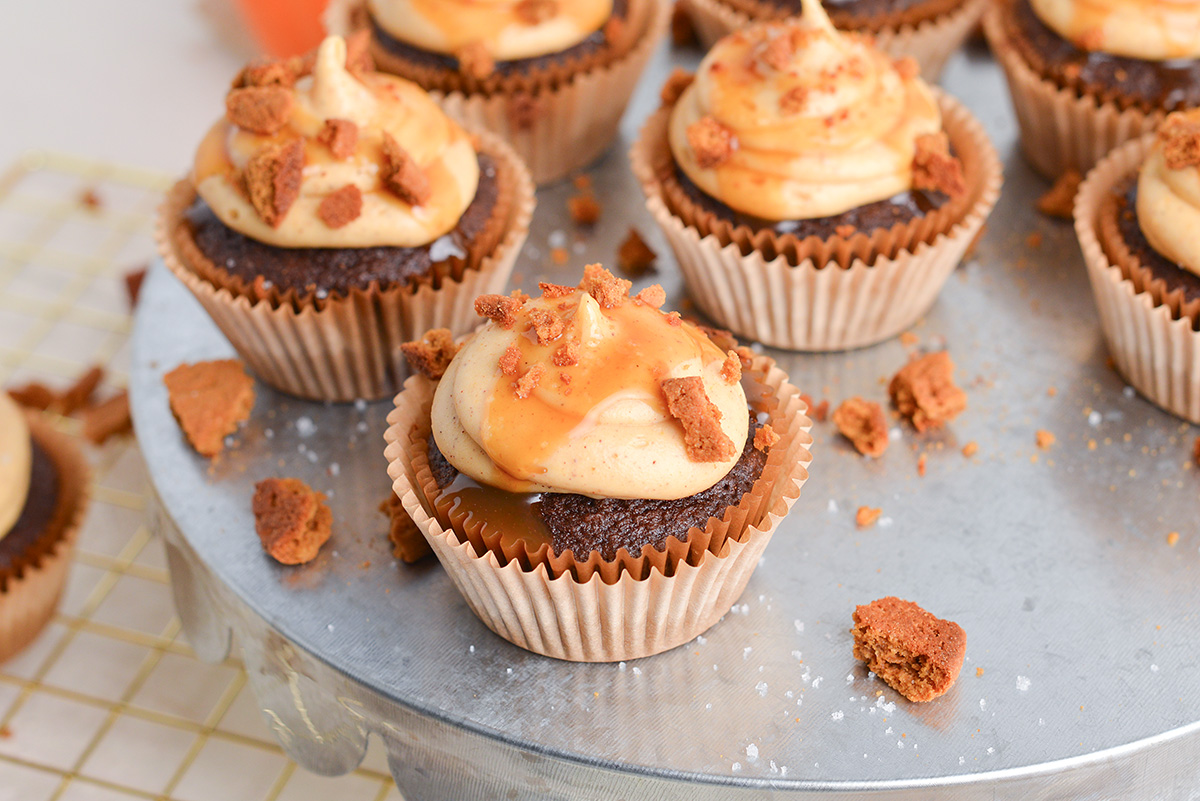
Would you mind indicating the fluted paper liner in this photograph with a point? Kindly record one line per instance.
(1060, 130)
(1156, 351)
(346, 348)
(558, 119)
(599, 611)
(821, 295)
(931, 43)
(29, 594)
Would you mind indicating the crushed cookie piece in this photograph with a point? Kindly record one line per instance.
(358, 52)
(547, 326)
(924, 391)
(908, 339)
(582, 182)
(778, 52)
(273, 179)
(935, 169)
(556, 290)
(107, 419)
(921, 465)
(527, 383)
(683, 33)
(792, 101)
(970, 449)
(765, 438)
(731, 368)
(90, 199)
(1179, 136)
(615, 30)
(703, 438)
(209, 400)
(862, 422)
(80, 393)
(266, 73)
(401, 175)
(341, 207)
(408, 543)
(584, 209)
(1059, 200)
(608, 290)
(712, 142)
(432, 353)
(510, 361)
(907, 67)
(474, 61)
(340, 136)
(635, 257)
(263, 110)
(674, 318)
(560, 256)
(565, 355)
(1034, 240)
(291, 519)
(499, 308)
(723, 339)
(33, 395)
(678, 81)
(1173, 538)
(535, 12)
(654, 296)
(1044, 438)
(978, 672)
(866, 516)
(133, 285)
(917, 654)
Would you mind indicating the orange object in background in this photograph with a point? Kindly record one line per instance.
(285, 27)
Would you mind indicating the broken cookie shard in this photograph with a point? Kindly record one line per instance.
(917, 654)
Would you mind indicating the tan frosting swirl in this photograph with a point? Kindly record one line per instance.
(607, 432)
(1168, 201)
(376, 103)
(1153, 30)
(822, 122)
(16, 459)
(509, 29)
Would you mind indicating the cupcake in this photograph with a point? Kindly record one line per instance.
(927, 30)
(816, 194)
(598, 478)
(549, 76)
(1087, 76)
(43, 495)
(335, 212)
(1137, 215)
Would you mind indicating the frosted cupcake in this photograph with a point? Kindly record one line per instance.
(816, 194)
(335, 212)
(1086, 75)
(1137, 215)
(598, 477)
(551, 77)
(927, 30)
(43, 496)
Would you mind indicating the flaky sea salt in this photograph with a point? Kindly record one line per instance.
(761, 687)
(1023, 683)
(305, 427)
(837, 715)
(752, 752)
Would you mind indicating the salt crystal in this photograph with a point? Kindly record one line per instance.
(305, 427)
(894, 434)
(983, 703)
(701, 640)
(789, 694)
(312, 457)
(471, 649)
(362, 427)
(1154, 668)
(837, 715)
(557, 239)
(774, 767)
(335, 469)
(762, 688)
(637, 671)
(746, 653)
(269, 433)
(962, 760)
(1129, 392)
(899, 743)
(360, 405)
(832, 506)
(509, 671)
(736, 767)
(621, 666)
(884, 522)
(1022, 683)
(850, 680)
(1095, 419)
(817, 681)
(799, 656)
(329, 627)
(752, 752)
(799, 626)
(991, 750)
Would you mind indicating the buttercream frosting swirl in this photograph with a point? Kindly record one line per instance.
(1168, 196)
(16, 456)
(816, 121)
(375, 106)
(1152, 30)
(599, 427)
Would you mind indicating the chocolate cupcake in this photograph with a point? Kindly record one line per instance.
(43, 496)
(1137, 215)
(551, 77)
(927, 30)
(599, 478)
(336, 212)
(1087, 76)
(816, 194)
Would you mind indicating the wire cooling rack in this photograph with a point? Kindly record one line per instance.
(109, 703)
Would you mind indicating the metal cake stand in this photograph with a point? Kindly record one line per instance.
(1083, 657)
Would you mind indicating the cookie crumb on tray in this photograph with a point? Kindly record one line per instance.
(209, 401)
(916, 653)
(1059, 200)
(291, 519)
(924, 391)
(862, 422)
(408, 543)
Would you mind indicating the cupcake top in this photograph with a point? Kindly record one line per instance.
(1168, 196)
(507, 30)
(326, 153)
(1151, 30)
(586, 390)
(798, 121)
(16, 458)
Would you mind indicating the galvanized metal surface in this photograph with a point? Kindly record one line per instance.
(1083, 657)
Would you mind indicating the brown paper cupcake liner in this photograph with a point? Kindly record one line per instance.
(30, 591)
(931, 43)
(569, 117)
(1060, 130)
(599, 611)
(349, 347)
(1155, 350)
(834, 294)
